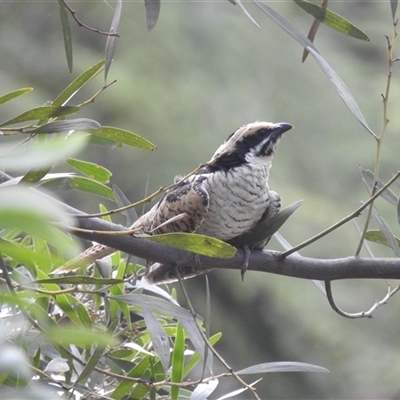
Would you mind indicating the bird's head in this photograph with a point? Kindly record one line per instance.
(253, 143)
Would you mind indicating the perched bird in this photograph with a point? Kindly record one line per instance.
(224, 199)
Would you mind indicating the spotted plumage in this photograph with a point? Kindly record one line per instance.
(225, 199)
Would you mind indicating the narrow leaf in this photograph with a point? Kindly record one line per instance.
(93, 171)
(91, 186)
(122, 201)
(387, 232)
(204, 389)
(281, 366)
(124, 137)
(80, 280)
(112, 40)
(12, 95)
(338, 84)
(236, 392)
(34, 175)
(177, 361)
(44, 112)
(368, 178)
(200, 244)
(66, 34)
(393, 6)
(77, 84)
(331, 19)
(248, 15)
(81, 124)
(158, 337)
(152, 12)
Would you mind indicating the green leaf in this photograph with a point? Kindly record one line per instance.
(125, 137)
(378, 237)
(331, 19)
(90, 186)
(177, 361)
(12, 95)
(77, 84)
(66, 33)
(81, 124)
(112, 40)
(281, 366)
(34, 175)
(80, 280)
(200, 244)
(39, 113)
(41, 154)
(152, 12)
(387, 232)
(93, 171)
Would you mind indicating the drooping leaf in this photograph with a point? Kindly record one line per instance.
(158, 337)
(387, 232)
(78, 83)
(368, 178)
(200, 244)
(376, 236)
(78, 124)
(152, 12)
(338, 84)
(204, 389)
(331, 19)
(122, 201)
(41, 154)
(66, 34)
(248, 15)
(112, 39)
(184, 317)
(12, 95)
(125, 137)
(393, 6)
(39, 113)
(34, 175)
(281, 366)
(92, 170)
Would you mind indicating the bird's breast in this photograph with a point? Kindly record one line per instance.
(238, 199)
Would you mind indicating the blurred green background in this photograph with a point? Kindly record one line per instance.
(203, 71)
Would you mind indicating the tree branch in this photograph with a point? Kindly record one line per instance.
(261, 260)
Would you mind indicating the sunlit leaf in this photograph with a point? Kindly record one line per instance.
(77, 84)
(200, 244)
(124, 137)
(41, 154)
(66, 34)
(152, 12)
(281, 366)
(331, 19)
(204, 389)
(39, 113)
(112, 39)
(12, 95)
(93, 171)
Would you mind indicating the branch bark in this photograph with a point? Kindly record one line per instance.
(260, 260)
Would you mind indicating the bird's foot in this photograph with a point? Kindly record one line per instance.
(247, 254)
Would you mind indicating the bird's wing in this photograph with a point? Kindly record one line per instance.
(189, 200)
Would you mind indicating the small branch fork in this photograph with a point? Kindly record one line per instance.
(80, 23)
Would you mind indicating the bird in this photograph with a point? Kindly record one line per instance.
(225, 198)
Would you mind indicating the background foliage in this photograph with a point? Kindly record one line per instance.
(204, 70)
